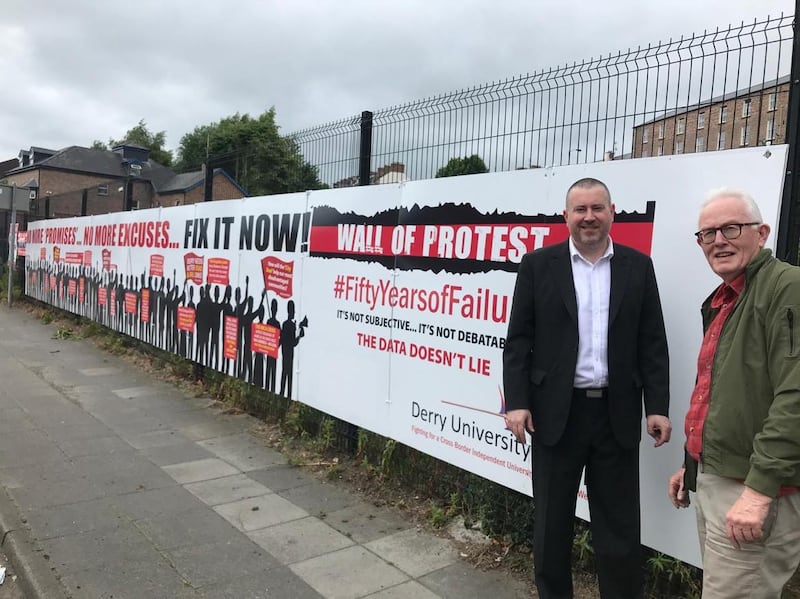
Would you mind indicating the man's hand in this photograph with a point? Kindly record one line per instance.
(678, 494)
(659, 428)
(744, 522)
(518, 421)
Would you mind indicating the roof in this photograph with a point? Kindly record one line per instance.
(183, 182)
(99, 162)
(114, 166)
(187, 181)
(8, 165)
(740, 93)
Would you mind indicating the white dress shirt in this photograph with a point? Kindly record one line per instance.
(592, 291)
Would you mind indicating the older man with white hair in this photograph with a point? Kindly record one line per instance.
(743, 424)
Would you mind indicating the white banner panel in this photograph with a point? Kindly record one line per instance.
(387, 306)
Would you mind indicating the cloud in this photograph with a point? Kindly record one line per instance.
(94, 70)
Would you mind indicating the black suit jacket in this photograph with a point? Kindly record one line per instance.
(541, 348)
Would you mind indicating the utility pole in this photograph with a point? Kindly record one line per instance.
(12, 245)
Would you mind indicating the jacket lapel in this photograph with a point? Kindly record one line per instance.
(562, 275)
(620, 272)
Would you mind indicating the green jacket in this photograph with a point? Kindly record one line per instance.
(752, 430)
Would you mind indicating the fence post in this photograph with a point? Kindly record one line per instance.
(786, 246)
(208, 181)
(365, 152)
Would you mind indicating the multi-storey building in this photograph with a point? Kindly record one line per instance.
(753, 116)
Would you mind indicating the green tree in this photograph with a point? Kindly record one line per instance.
(140, 135)
(463, 166)
(252, 151)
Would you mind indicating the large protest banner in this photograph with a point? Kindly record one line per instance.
(387, 306)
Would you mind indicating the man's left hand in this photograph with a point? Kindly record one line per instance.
(659, 428)
(744, 522)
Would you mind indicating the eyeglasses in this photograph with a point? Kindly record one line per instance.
(732, 231)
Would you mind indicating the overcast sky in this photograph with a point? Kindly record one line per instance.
(83, 70)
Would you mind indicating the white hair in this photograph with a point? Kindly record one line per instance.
(745, 198)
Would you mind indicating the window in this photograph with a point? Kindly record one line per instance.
(102, 190)
(680, 127)
(660, 149)
(744, 135)
(645, 153)
(770, 130)
(700, 144)
(772, 101)
(746, 106)
(723, 114)
(721, 141)
(701, 120)
(646, 135)
(661, 131)
(679, 146)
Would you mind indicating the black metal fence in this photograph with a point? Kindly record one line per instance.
(584, 112)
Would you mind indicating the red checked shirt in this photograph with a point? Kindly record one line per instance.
(724, 300)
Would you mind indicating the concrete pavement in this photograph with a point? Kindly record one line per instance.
(115, 484)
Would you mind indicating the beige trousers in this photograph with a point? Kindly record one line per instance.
(756, 570)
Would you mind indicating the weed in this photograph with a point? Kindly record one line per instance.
(386, 456)
(438, 516)
(327, 434)
(63, 333)
(334, 472)
(582, 546)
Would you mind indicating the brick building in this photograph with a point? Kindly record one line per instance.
(753, 116)
(389, 173)
(82, 181)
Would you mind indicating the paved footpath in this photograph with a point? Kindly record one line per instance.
(113, 484)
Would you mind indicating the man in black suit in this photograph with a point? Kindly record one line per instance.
(585, 340)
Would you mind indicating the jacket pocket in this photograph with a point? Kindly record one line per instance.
(790, 324)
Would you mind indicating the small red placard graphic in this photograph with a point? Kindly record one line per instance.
(186, 319)
(145, 305)
(194, 268)
(74, 258)
(266, 339)
(81, 289)
(230, 342)
(218, 271)
(157, 265)
(73, 287)
(52, 282)
(106, 259)
(22, 239)
(278, 275)
(102, 296)
(113, 302)
(130, 302)
(87, 258)
(42, 253)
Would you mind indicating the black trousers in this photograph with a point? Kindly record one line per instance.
(612, 482)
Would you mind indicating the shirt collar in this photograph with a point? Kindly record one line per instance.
(728, 291)
(575, 254)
